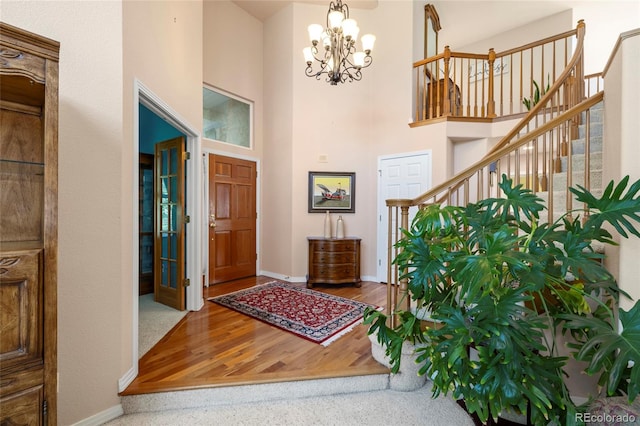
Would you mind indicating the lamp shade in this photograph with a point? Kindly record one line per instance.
(308, 55)
(326, 40)
(368, 41)
(358, 59)
(315, 32)
(350, 29)
(335, 20)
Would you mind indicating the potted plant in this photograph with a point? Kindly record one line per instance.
(537, 94)
(501, 286)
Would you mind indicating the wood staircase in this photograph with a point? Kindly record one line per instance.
(557, 144)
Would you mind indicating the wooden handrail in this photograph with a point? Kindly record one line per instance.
(551, 39)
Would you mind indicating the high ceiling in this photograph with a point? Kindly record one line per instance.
(502, 15)
(497, 17)
(263, 9)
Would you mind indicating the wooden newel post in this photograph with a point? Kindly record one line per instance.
(491, 102)
(447, 97)
(403, 302)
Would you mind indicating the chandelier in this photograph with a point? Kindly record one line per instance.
(337, 57)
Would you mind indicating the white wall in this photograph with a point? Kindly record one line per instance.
(90, 308)
(276, 251)
(605, 21)
(621, 125)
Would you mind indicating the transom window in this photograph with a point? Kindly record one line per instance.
(227, 118)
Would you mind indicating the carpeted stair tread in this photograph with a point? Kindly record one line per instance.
(578, 162)
(577, 178)
(228, 395)
(578, 145)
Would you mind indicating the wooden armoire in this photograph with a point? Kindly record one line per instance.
(28, 227)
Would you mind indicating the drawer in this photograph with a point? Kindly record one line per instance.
(334, 245)
(334, 272)
(334, 261)
(332, 257)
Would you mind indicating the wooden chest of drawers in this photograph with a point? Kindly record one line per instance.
(334, 261)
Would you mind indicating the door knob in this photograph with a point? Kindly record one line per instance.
(212, 225)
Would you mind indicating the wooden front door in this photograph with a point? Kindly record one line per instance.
(169, 220)
(232, 218)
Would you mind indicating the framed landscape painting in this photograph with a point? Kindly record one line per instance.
(332, 191)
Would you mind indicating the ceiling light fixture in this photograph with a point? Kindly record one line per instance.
(339, 58)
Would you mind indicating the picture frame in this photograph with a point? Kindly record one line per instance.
(332, 191)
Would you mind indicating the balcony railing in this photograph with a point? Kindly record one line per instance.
(494, 84)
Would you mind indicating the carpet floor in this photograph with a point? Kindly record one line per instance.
(154, 321)
(376, 408)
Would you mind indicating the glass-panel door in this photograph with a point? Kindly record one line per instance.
(169, 223)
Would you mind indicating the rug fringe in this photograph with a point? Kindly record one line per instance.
(341, 333)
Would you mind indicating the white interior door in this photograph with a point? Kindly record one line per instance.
(399, 176)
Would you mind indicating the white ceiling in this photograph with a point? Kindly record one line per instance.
(497, 16)
(500, 16)
(263, 9)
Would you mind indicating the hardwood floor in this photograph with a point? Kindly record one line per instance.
(217, 346)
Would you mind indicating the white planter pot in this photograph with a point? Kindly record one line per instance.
(407, 378)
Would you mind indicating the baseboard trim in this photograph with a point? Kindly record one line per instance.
(304, 279)
(102, 417)
(128, 377)
(283, 277)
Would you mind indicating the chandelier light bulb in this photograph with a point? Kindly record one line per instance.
(335, 20)
(326, 41)
(368, 40)
(358, 59)
(315, 31)
(350, 29)
(308, 55)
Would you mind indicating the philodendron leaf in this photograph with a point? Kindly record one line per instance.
(611, 352)
(517, 200)
(613, 207)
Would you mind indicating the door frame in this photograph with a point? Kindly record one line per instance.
(382, 227)
(205, 205)
(193, 245)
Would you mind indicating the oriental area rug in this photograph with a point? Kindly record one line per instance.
(310, 314)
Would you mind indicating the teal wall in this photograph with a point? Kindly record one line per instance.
(153, 129)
